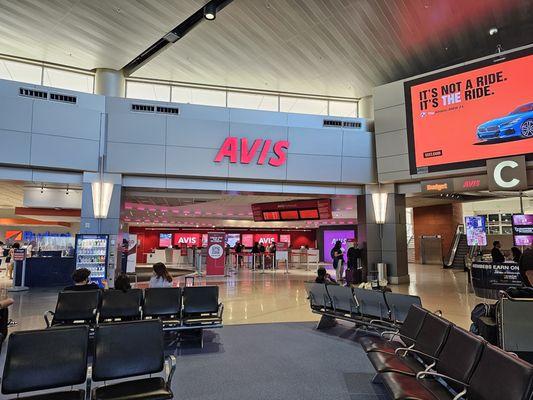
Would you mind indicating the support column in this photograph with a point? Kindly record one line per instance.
(384, 242)
(109, 82)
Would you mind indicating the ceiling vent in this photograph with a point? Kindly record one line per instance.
(38, 94)
(168, 110)
(142, 108)
(336, 123)
(63, 98)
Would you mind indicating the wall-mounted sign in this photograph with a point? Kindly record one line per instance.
(461, 117)
(470, 183)
(523, 229)
(188, 239)
(241, 151)
(437, 186)
(507, 173)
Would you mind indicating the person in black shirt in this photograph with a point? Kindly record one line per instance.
(517, 254)
(497, 255)
(324, 277)
(354, 255)
(81, 281)
(239, 248)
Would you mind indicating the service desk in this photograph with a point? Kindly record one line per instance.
(49, 271)
(489, 278)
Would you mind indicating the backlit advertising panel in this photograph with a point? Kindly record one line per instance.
(165, 239)
(232, 239)
(461, 117)
(476, 230)
(266, 238)
(523, 229)
(331, 237)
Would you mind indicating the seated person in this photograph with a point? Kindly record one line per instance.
(324, 277)
(517, 254)
(497, 255)
(81, 281)
(122, 282)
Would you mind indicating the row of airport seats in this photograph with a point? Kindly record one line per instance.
(428, 357)
(367, 308)
(56, 363)
(179, 309)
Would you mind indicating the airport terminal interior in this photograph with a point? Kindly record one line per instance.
(266, 199)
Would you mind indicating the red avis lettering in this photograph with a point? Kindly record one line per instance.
(232, 146)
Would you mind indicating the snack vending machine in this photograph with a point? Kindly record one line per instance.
(92, 252)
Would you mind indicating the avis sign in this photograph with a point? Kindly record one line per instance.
(507, 173)
(243, 152)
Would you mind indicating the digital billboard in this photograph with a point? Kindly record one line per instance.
(461, 117)
(232, 239)
(331, 237)
(476, 230)
(165, 239)
(523, 229)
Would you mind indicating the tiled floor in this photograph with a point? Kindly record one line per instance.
(254, 297)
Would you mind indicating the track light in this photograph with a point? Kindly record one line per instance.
(210, 11)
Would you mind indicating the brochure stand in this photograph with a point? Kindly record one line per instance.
(19, 257)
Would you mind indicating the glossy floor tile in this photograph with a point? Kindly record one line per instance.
(256, 297)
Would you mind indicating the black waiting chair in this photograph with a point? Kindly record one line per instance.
(400, 304)
(405, 336)
(201, 307)
(118, 305)
(373, 307)
(47, 359)
(131, 349)
(342, 301)
(74, 307)
(163, 304)
(318, 296)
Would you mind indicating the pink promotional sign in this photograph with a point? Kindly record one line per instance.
(215, 253)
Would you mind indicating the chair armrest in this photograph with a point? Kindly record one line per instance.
(438, 313)
(88, 382)
(171, 368)
(220, 310)
(382, 323)
(411, 350)
(46, 320)
(423, 374)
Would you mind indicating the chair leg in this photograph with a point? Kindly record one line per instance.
(326, 322)
(377, 379)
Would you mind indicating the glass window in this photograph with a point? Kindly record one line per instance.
(342, 108)
(303, 106)
(22, 72)
(205, 97)
(68, 80)
(147, 91)
(252, 101)
(507, 218)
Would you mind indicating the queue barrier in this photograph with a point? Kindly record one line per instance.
(192, 308)
(430, 357)
(58, 358)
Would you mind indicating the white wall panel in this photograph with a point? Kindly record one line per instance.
(315, 141)
(257, 117)
(15, 147)
(65, 120)
(194, 162)
(258, 131)
(357, 144)
(255, 171)
(135, 158)
(15, 113)
(314, 168)
(391, 94)
(62, 152)
(355, 168)
(392, 143)
(393, 163)
(390, 119)
(196, 132)
(136, 127)
(194, 111)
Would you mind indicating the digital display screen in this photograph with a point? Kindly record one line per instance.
(285, 238)
(309, 214)
(476, 230)
(461, 117)
(232, 239)
(523, 229)
(331, 237)
(288, 215)
(247, 240)
(270, 215)
(165, 239)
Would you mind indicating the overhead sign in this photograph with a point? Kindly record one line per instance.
(266, 238)
(460, 117)
(507, 174)
(188, 239)
(240, 151)
(455, 185)
(292, 210)
(438, 186)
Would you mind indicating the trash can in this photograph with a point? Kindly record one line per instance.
(382, 271)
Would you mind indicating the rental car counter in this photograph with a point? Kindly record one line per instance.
(47, 271)
(489, 278)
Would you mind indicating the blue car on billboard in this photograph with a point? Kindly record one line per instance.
(517, 125)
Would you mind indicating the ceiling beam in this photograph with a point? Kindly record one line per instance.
(171, 37)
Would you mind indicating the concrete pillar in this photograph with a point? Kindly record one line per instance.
(366, 107)
(384, 242)
(110, 82)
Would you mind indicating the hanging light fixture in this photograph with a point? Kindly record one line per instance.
(379, 201)
(102, 192)
(210, 11)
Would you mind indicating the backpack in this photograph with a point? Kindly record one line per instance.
(483, 310)
(332, 253)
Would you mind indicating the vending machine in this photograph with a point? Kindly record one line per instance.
(92, 252)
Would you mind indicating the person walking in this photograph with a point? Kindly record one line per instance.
(338, 260)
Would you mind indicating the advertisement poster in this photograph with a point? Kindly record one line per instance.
(232, 238)
(215, 253)
(471, 114)
(285, 239)
(248, 240)
(523, 229)
(165, 239)
(188, 239)
(266, 239)
(132, 252)
(331, 237)
(476, 230)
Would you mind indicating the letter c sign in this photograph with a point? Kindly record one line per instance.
(507, 174)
